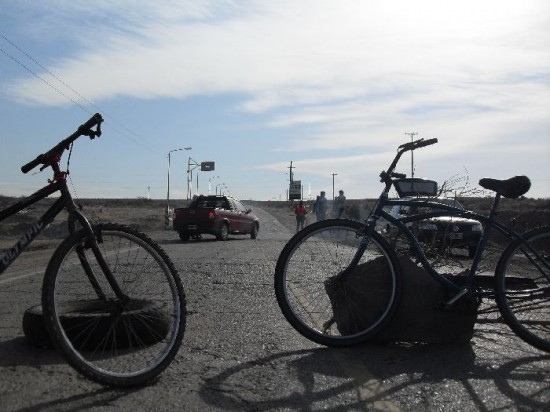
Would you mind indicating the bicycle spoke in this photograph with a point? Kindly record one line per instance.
(321, 302)
(523, 282)
(120, 342)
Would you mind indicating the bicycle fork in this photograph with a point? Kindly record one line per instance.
(93, 239)
(367, 234)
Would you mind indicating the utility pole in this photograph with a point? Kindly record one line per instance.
(290, 184)
(291, 176)
(412, 134)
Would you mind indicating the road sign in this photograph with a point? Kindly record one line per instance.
(207, 166)
(295, 190)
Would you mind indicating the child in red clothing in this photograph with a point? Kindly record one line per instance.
(300, 212)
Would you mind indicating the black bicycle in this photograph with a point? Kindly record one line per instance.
(112, 300)
(338, 282)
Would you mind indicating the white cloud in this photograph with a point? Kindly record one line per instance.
(286, 53)
(354, 74)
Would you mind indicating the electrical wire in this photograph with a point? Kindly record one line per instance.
(119, 127)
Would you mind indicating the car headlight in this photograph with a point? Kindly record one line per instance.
(477, 228)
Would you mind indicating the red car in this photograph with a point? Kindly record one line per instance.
(216, 215)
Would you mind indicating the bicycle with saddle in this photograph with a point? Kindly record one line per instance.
(327, 255)
(112, 301)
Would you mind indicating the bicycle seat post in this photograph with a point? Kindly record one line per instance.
(494, 208)
(484, 237)
(492, 215)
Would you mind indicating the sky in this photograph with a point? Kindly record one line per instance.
(331, 86)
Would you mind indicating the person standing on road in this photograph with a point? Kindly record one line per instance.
(339, 204)
(320, 206)
(300, 212)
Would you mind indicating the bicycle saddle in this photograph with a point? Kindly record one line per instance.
(511, 188)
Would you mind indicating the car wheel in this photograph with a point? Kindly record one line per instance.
(254, 231)
(183, 236)
(224, 232)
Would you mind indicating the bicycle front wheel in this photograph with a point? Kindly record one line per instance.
(322, 304)
(116, 342)
(523, 287)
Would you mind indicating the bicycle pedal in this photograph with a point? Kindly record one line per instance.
(455, 298)
(443, 307)
(328, 324)
(462, 303)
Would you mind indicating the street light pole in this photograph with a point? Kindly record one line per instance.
(334, 174)
(167, 215)
(210, 183)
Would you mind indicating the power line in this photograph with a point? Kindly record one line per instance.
(124, 131)
(42, 79)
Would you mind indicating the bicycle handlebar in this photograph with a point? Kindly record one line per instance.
(417, 144)
(84, 129)
(386, 177)
(427, 142)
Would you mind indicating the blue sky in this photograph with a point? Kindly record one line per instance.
(332, 86)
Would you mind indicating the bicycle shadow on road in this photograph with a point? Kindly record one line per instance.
(35, 366)
(373, 376)
(19, 352)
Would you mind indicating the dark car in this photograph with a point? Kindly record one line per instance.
(443, 231)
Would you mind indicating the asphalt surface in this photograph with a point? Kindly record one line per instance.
(239, 353)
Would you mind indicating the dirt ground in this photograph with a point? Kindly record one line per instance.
(149, 215)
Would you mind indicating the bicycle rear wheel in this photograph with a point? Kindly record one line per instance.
(523, 287)
(324, 306)
(111, 341)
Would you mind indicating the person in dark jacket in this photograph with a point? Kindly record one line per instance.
(320, 206)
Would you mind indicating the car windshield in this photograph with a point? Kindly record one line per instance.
(208, 202)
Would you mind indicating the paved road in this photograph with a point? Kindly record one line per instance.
(240, 354)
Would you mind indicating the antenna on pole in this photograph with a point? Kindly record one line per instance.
(412, 134)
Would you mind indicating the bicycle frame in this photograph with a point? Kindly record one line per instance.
(36, 228)
(488, 222)
(65, 201)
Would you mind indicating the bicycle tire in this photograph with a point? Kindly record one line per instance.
(523, 287)
(329, 309)
(108, 348)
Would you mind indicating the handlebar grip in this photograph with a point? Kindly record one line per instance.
(32, 164)
(426, 143)
(96, 119)
(417, 144)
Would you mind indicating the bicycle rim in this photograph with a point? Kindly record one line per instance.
(327, 308)
(523, 281)
(111, 342)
